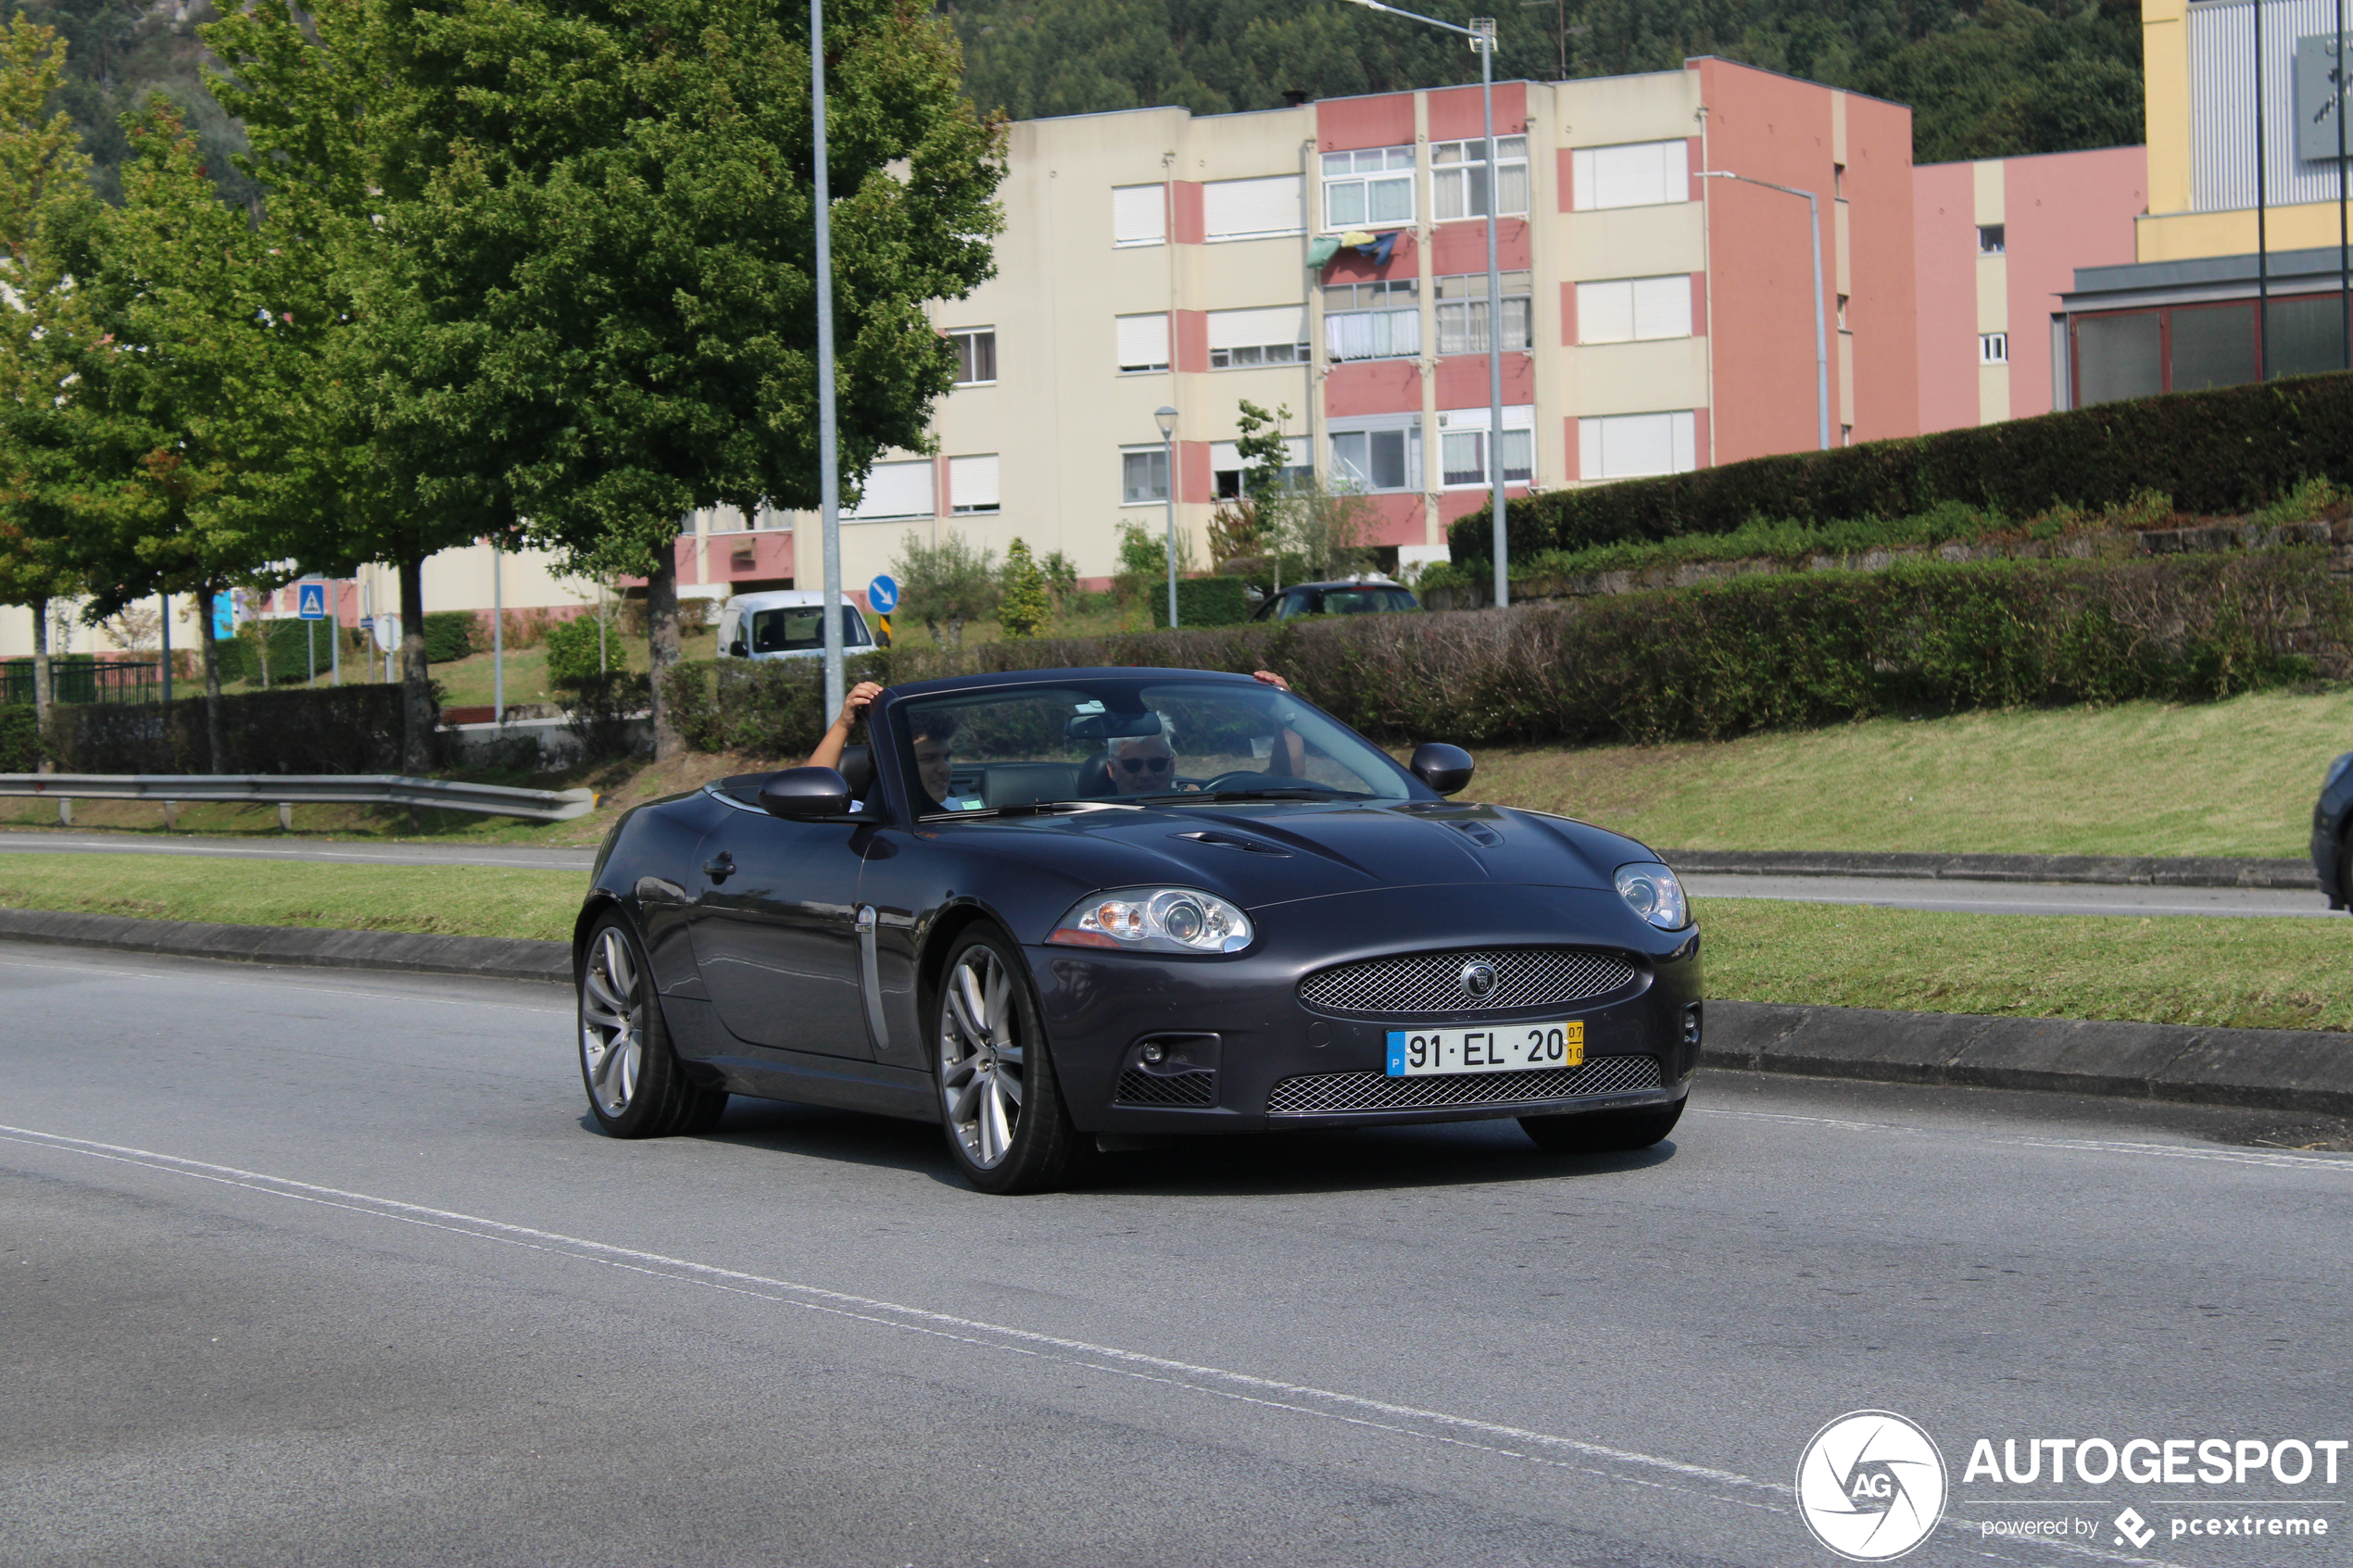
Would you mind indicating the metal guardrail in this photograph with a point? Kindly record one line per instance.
(290, 789)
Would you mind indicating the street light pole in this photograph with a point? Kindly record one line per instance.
(828, 452)
(1166, 418)
(1822, 327)
(1481, 33)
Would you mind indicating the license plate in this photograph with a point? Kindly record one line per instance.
(1507, 1048)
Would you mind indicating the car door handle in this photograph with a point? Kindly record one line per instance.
(721, 869)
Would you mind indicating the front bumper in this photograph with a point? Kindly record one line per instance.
(1240, 1052)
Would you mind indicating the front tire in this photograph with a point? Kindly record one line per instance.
(1603, 1131)
(1000, 1104)
(636, 1089)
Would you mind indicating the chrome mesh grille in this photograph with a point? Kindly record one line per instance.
(1431, 982)
(1175, 1088)
(1326, 1093)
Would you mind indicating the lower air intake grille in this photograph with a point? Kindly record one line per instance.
(1328, 1092)
(1421, 983)
(1176, 1088)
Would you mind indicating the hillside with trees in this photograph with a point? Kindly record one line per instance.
(1985, 78)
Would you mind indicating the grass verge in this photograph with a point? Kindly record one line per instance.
(2213, 972)
(440, 900)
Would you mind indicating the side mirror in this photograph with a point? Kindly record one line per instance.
(805, 794)
(737, 650)
(1446, 768)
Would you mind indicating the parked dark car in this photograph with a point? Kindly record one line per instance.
(1054, 908)
(2331, 816)
(1349, 595)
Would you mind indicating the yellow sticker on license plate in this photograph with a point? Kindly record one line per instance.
(1494, 1047)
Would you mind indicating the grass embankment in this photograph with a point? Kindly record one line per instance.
(441, 900)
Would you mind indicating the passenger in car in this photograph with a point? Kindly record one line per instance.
(1146, 764)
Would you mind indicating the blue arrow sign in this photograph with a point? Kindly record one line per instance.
(310, 600)
(883, 594)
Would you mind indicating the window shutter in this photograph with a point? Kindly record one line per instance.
(1662, 307)
(972, 484)
(1605, 312)
(1250, 329)
(1634, 174)
(1143, 342)
(1138, 215)
(896, 490)
(1233, 209)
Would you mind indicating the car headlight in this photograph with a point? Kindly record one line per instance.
(1155, 920)
(1650, 890)
(2336, 769)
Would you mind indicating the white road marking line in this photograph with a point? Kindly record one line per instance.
(2282, 1160)
(1221, 1381)
(276, 972)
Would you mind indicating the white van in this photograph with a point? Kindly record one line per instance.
(785, 623)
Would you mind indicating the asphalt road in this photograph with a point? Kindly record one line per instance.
(305, 1268)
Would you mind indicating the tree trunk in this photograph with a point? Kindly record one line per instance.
(416, 680)
(43, 692)
(662, 635)
(213, 747)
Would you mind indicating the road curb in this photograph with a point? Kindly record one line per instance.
(2146, 870)
(2268, 1069)
(487, 958)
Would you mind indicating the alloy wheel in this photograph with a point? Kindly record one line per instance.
(980, 1057)
(612, 1017)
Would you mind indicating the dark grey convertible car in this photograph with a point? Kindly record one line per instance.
(1053, 908)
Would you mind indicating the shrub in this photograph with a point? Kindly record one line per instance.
(770, 708)
(20, 747)
(572, 653)
(291, 648)
(2226, 450)
(1203, 601)
(944, 584)
(604, 707)
(450, 635)
(323, 730)
(1023, 608)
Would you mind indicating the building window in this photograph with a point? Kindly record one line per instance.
(1842, 315)
(1369, 188)
(972, 484)
(1846, 435)
(975, 354)
(1273, 336)
(1632, 446)
(1634, 174)
(1458, 177)
(1463, 446)
(895, 490)
(1143, 475)
(1226, 465)
(1989, 239)
(1462, 312)
(1378, 457)
(1252, 210)
(1838, 181)
(1379, 320)
(1143, 342)
(1634, 309)
(1138, 215)
(1992, 348)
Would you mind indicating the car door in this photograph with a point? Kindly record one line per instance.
(774, 926)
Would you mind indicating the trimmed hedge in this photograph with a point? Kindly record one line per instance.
(326, 729)
(291, 650)
(20, 748)
(1202, 601)
(2218, 452)
(1796, 650)
(450, 635)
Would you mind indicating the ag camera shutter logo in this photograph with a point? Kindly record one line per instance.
(1870, 1486)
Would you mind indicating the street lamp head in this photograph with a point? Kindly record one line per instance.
(1166, 418)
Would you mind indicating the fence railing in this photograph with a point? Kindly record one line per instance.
(286, 790)
(83, 681)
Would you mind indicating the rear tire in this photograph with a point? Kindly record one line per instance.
(1603, 1131)
(1000, 1103)
(636, 1086)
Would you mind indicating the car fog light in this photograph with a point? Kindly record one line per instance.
(1155, 920)
(1153, 1054)
(1652, 892)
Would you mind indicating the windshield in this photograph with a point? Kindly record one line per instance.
(1164, 742)
(799, 628)
(1343, 601)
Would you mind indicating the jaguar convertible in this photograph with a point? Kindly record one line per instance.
(1063, 911)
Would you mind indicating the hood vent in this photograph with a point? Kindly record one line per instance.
(1228, 841)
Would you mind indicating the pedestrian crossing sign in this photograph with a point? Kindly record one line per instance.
(310, 600)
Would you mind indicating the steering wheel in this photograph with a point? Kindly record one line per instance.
(1244, 778)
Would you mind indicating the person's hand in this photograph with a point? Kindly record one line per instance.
(854, 706)
(1267, 677)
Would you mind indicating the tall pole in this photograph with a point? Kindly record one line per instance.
(2343, 251)
(828, 452)
(498, 641)
(1483, 29)
(335, 635)
(2262, 239)
(1168, 449)
(167, 649)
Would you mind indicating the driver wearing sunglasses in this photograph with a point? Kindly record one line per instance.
(1142, 765)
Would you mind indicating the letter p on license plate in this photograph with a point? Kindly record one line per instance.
(1500, 1048)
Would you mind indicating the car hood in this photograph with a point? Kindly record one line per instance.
(1263, 853)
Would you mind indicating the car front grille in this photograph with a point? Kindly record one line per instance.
(1423, 984)
(1324, 1094)
(1137, 1087)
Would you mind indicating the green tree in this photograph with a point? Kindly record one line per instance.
(611, 205)
(945, 585)
(1023, 608)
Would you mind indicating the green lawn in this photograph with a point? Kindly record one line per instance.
(2224, 778)
(444, 900)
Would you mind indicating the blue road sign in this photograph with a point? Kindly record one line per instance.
(224, 616)
(312, 600)
(883, 594)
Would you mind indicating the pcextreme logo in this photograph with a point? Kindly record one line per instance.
(1870, 1486)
